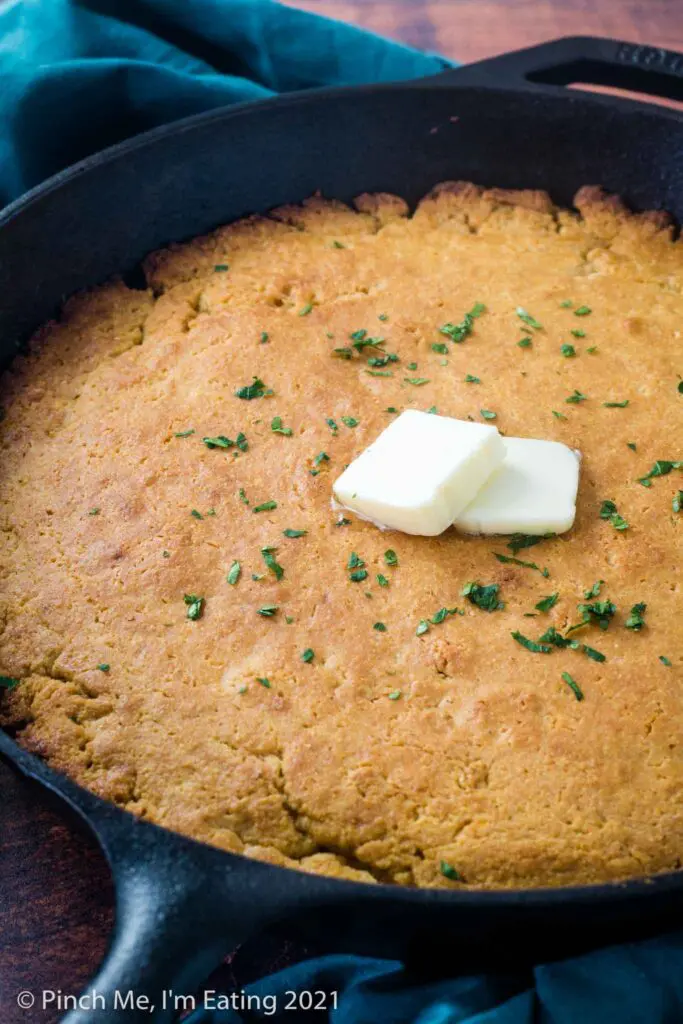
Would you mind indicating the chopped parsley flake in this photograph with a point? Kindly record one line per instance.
(355, 561)
(379, 373)
(272, 563)
(195, 606)
(470, 379)
(662, 657)
(551, 636)
(632, 445)
(592, 350)
(677, 502)
(525, 342)
(384, 359)
(423, 627)
(547, 602)
(395, 695)
(383, 316)
(391, 408)
(221, 268)
(508, 560)
(264, 337)
(196, 514)
(636, 619)
(567, 304)
(266, 506)
(277, 428)
(257, 389)
(616, 405)
(577, 397)
(573, 685)
(484, 597)
(582, 311)
(8, 682)
(592, 653)
(358, 576)
(243, 496)
(234, 573)
(104, 666)
(594, 590)
(531, 645)
(390, 557)
(334, 427)
(443, 614)
(558, 415)
(458, 332)
(305, 310)
(448, 871)
(308, 655)
(608, 510)
(416, 381)
(321, 457)
(600, 612)
(268, 611)
(578, 333)
(218, 442)
(350, 421)
(294, 533)
(184, 433)
(337, 245)
(568, 351)
(362, 340)
(264, 681)
(440, 347)
(411, 366)
(382, 580)
(93, 511)
(518, 541)
(661, 468)
(528, 319)
(487, 414)
(380, 627)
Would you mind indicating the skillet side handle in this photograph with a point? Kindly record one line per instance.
(180, 908)
(159, 945)
(586, 59)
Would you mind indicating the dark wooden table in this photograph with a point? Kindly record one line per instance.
(56, 901)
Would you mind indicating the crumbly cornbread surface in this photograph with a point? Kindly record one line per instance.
(452, 758)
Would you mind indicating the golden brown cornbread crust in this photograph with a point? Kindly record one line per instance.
(486, 760)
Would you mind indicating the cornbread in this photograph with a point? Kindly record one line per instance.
(330, 699)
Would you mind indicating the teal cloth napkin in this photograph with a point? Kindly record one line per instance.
(79, 75)
(639, 983)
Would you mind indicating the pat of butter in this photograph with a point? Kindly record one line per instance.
(420, 473)
(534, 491)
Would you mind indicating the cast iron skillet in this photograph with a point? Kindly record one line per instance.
(509, 122)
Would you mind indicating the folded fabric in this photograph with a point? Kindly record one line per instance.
(638, 983)
(79, 75)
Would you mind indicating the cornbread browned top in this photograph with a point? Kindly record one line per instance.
(276, 717)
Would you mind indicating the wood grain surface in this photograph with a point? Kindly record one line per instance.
(56, 900)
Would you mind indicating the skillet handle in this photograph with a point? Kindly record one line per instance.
(586, 59)
(180, 908)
